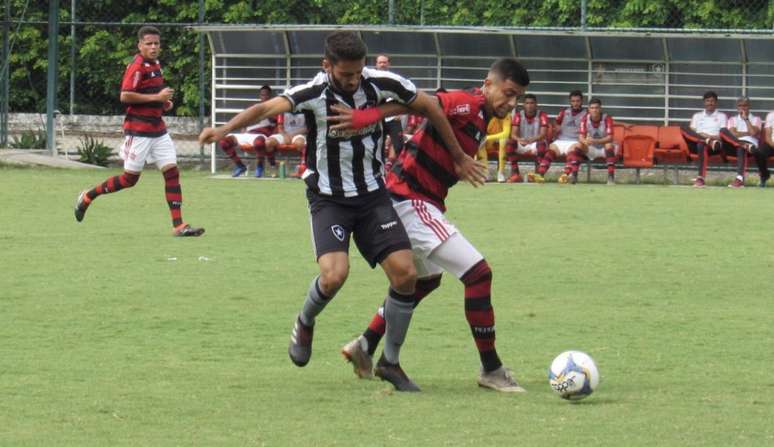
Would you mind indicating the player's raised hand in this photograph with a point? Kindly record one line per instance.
(211, 135)
(168, 105)
(343, 118)
(472, 171)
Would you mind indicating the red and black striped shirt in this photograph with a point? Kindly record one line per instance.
(144, 120)
(425, 169)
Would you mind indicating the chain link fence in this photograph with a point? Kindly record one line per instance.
(97, 38)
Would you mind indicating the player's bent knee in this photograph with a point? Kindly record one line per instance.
(131, 178)
(331, 279)
(403, 277)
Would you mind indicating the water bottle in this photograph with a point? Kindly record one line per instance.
(282, 169)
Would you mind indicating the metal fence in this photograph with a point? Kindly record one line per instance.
(97, 38)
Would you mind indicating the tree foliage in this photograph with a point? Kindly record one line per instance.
(103, 49)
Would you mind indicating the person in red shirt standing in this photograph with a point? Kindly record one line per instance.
(419, 183)
(145, 134)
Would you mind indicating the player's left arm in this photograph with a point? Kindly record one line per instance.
(543, 132)
(422, 104)
(608, 138)
(465, 167)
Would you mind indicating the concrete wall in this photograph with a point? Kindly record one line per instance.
(71, 128)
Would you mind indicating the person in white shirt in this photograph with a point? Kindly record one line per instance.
(703, 134)
(740, 138)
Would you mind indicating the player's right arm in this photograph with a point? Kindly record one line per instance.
(515, 128)
(130, 84)
(464, 166)
(139, 98)
(246, 117)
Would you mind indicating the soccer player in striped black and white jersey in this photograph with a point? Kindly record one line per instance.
(345, 189)
(419, 183)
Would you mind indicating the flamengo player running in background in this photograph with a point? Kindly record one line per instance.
(146, 138)
(346, 192)
(419, 183)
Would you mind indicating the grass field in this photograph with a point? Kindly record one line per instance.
(114, 333)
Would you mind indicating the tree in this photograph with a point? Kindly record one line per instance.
(103, 49)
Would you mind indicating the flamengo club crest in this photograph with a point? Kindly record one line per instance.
(339, 232)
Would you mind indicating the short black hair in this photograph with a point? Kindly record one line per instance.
(596, 101)
(710, 94)
(266, 87)
(145, 30)
(344, 46)
(510, 69)
(576, 93)
(530, 96)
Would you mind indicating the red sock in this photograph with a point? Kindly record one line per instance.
(113, 184)
(480, 314)
(574, 160)
(260, 150)
(513, 157)
(174, 195)
(228, 145)
(546, 161)
(610, 158)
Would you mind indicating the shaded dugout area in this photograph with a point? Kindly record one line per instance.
(647, 77)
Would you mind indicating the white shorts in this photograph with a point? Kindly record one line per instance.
(246, 141)
(530, 149)
(280, 139)
(136, 151)
(436, 243)
(598, 151)
(564, 145)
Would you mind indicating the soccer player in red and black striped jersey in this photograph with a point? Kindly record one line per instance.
(419, 183)
(145, 135)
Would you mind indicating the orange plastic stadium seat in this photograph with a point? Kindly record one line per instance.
(620, 130)
(286, 151)
(638, 151)
(286, 148)
(648, 131)
(671, 146)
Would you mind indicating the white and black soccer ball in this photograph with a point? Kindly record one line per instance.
(573, 375)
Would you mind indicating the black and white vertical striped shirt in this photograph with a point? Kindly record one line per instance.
(346, 164)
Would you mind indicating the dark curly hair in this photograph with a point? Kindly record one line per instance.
(344, 46)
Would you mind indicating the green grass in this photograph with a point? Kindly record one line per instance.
(114, 333)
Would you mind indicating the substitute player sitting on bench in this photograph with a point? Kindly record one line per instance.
(251, 139)
(291, 130)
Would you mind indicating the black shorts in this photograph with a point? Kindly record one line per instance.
(370, 218)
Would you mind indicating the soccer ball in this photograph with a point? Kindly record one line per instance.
(573, 375)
